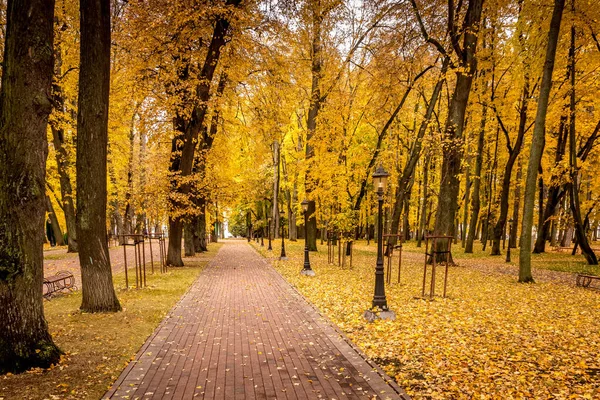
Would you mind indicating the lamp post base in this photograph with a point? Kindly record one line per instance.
(283, 258)
(308, 272)
(372, 315)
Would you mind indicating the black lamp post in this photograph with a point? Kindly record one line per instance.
(379, 309)
(510, 222)
(307, 270)
(270, 248)
(282, 256)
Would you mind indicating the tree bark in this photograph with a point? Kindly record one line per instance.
(499, 228)
(61, 154)
(537, 144)
(184, 142)
(54, 221)
(98, 293)
(476, 200)
(311, 122)
(276, 178)
(423, 221)
(24, 109)
(453, 131)
(573, 186)
(409, 169)
(515, 217)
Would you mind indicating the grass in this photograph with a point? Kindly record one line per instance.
(492, 338)
(98, 346)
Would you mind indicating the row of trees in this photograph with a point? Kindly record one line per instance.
(483, 113)
(117, 183)
(166, 113)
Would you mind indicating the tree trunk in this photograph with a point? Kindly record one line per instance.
(582, 240)
(98, 293)
(54, 221)
(61, 154)
(499, 228)
(408, 172)
(466, 205)
(188, 239)
(276, 177)
(24, 109)
(422, 222)
(515, 226)
(311, 122)
(476, 200)
(188, 127)
(453, 131)
(537, 144)
(200, 245)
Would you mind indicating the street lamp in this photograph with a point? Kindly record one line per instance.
(282, 256)
(510, 222)
(307, 270)
(380, 177)
(270, 248)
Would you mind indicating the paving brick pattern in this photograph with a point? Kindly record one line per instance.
(242, 332)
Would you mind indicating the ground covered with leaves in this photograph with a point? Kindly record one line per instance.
(99, 346)
(492, 338)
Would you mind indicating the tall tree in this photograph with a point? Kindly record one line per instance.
(188, 126)
(573, 184)
(98, 292)
(63, 162)
(537, 143)
(453, 130)
(24, 109)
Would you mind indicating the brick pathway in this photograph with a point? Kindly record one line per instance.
(242, 332)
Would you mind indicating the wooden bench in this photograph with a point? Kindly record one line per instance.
(63, 280)
(585, 281)
(560, 249)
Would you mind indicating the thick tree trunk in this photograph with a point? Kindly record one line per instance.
(24, 108)
(174, 248)
(311, 122)
(188, 239)
(188, 127)
(453, 131)
(54, 221)
(98, 293)
(537, 144)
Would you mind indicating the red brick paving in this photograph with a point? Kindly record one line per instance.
(242, 332)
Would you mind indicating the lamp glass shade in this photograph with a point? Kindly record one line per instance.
(304, 205)
(380, 177)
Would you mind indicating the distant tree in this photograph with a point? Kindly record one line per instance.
(24, 109)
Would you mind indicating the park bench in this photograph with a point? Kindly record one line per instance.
(585, 281)
(560, 249)
(63, 280)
